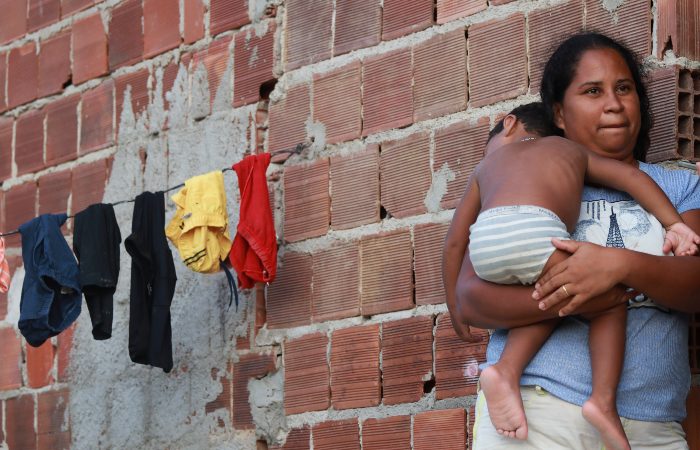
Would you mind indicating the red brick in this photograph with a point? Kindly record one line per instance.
(13, 24)
(338, 102)
(428, 240)
(677, 22)
(88, 187)
(169, 76)
(358, 24)
(630, 23)
(3, 80)
(491, 43)
(387, 272)
(126, 35)
(407, 358)
(52, 420)
(289, 297)
(461, 147)
(336, 282)
(249, 366)
(691, 426)
(40, 365)
(215, 59)
(405, 175)
(11, 356)
(297, 439)
(440, 75)
(194, 21)
(227, 15)
(19, 423)
(43, 13)
(54, 64)
(456, 362)
(22, 75)
(355, 193)
(288, 118)
(387, 92)
(89, 49)
(69, 7)
(96, 128)
(448, 10)
(161, 26)
(54, 190)
(337, 435)
(392, 432)
(355, 374)
(13, 261)
(253, 60)
(545, 29)
(64, 344)
(20, 202)
(306, 374)
(306, 200)
(62, 130)
(7, 126)
(139, 92)
(470, 426)
(400, 18)
(446, 430)
(224, 399)
(308, 34)
(29, 141)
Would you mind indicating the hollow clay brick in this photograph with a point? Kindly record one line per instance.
(7, 126)
(54, 64)
(40, 365)
(306, 374)
(308, 33)
(161, 26)
(336, 292)
(69, 7)
(297, 439)
(19, 423)
(193, 21)
(457, 362)
(470, 426)
(287, 119)
(461, 147)
(355, 189)
(29, 141)
(355, 374)
(215, 58)
(52, 420)
(663, 98)
(445, 430)
(630, 23)
(405, 175)
(338, 102)
(64, 343)
(491, 43)
(387, 91)
(428, 240)
(400, 18)
(126, 34)
(306, 200)
(96, 129)
(392, 432)
(358, 24)
(253, 63)
(42, 13)
(677, 22)
(223, 400)
(54, 191)
(337, 435)
(387, 272)
(407, 358)
(227, 15)
(13, 22)
(289, 297)
(249, 366)
(448, 10)
(89, 49)
(62, 130)
(88, 185)
(22, 75)
(11, 357)
(20, 203)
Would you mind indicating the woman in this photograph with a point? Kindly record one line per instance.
(594, 91)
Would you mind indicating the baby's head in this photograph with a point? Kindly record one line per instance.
(524, 121)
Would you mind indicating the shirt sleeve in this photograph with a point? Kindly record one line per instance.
(687, 190)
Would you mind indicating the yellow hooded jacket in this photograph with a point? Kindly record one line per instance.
(200, 226)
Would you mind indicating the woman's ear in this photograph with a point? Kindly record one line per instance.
(559, 116)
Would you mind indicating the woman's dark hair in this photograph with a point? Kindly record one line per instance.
(561, 69)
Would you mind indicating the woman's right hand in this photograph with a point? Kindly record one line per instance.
(617, 295)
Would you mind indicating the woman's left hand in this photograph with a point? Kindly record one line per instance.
(590, 271)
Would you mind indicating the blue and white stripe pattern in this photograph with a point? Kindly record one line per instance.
(511, 244)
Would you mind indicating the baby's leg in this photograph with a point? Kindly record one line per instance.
(607, 346)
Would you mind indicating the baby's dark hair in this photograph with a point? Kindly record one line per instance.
(534, 118)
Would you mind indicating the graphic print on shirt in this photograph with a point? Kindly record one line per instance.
(622, 224)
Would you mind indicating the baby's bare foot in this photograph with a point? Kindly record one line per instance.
(502, 392)
(606, 420)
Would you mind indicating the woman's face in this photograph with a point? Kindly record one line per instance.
(600, 109)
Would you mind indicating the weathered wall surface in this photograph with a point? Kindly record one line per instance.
(352, 345)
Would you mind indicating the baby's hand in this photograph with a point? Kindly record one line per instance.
(682, 240)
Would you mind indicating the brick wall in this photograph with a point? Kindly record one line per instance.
(103, 99)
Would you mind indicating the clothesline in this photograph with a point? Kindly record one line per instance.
(299, 148)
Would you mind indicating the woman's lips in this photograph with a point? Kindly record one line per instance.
(622, 125)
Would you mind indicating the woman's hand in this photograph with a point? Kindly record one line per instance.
(590, 271)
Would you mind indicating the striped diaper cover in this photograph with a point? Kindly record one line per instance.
(511, 244)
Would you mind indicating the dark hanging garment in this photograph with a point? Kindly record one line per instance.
(153, 281)
(96, 240)
(50, 293)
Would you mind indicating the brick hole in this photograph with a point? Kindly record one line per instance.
(696, 127)
(696, 149)
(696, 81)
(383, 213)
(684, 147)
(435, 11)
(261, 444)
(685, 102)
(685, 80)
(696, 107)
(266, 89)
(68, 82)
(429, 385)
(684, 125)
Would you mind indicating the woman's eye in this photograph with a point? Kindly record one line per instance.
(593, 91)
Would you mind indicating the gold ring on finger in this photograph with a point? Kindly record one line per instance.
(567, 292)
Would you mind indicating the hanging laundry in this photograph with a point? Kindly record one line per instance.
(96, 240)
(50, 299)
(200, 226)
(4, 269)
(254, 254)
(153, 282)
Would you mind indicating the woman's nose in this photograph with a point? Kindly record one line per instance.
(613, 103)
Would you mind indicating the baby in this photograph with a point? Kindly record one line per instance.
(526, 191)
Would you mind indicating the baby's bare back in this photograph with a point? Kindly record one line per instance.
(547, 172)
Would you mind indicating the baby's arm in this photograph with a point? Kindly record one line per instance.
(455, 248)
(627, 178)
